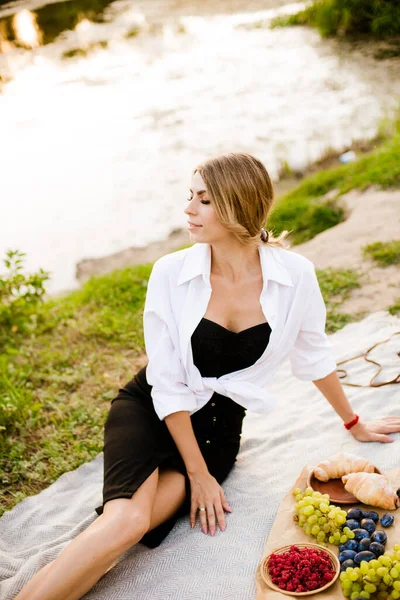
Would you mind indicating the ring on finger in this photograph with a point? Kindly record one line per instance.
(202, 509)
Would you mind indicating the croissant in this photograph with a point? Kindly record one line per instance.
(372, 489)
(341, 464)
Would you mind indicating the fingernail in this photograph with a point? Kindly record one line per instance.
(204, 530)
(212, 532)
(222, 528)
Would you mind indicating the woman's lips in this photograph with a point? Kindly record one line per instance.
(192, 226)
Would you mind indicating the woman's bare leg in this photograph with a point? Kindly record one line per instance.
(169, 496)
(83, 562)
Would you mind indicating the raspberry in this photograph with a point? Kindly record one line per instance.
(300, 569)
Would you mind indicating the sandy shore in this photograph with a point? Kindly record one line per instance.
(372, 216)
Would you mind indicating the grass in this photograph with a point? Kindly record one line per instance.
(384, 253)
(306, 213)
(394, 309)
(336, 286)
(351, 18)
(56, 384)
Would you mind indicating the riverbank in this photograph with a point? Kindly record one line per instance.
(289, 181)
(103, 152)
(315, 202)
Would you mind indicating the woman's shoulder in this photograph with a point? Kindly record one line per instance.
(181, 264)
(293, 259)
(298, 266)
(170, 265)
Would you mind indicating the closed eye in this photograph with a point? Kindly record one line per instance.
(202, 201)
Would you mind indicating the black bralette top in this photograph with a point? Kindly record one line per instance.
(218, 351)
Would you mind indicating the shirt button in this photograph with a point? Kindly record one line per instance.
(212, 403)
(208, 442)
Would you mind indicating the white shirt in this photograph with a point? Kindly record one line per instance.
(178, 294)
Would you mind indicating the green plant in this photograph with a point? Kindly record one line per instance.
(305, 212)
(384, 253)
(376, 18)
(336, 286)
(305, 217)
(394, 309)
(20, 297)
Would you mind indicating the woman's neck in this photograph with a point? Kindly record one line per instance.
(235, 263)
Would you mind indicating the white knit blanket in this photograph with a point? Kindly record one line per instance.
(190, 565)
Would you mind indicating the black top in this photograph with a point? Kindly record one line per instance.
(218, 351)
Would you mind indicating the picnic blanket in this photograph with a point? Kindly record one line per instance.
(302, 430)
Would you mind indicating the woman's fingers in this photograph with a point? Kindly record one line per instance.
(203, 520)
(211, 518)
(220, 517)
(378, 434)
(193, 509)
(224, 501)
(213, 512)
(392, 422)
(385, 425)
(389, 429)
(380, 437)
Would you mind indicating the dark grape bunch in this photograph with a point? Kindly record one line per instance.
(367, 570)
(368, 542)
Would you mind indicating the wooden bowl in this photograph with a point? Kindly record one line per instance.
(267, 578)
(335, 488)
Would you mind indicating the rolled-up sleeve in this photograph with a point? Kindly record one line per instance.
(165, 371)
(312, 357)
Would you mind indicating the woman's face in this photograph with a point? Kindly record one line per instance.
(203, 224)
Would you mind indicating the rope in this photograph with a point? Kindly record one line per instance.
(343, 373)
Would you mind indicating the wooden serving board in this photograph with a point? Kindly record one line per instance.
(284, 531)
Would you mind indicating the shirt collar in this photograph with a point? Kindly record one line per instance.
(198, 262)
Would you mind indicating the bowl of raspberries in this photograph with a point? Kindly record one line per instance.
(300, 569)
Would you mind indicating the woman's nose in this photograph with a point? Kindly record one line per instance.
(190, 209)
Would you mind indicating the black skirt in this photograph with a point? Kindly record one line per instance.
(136, 442)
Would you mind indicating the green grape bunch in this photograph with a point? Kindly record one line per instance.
(319, 518)
(377, 579)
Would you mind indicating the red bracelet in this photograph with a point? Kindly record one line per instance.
(352, 423)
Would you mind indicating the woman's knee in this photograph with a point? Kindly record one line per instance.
(127, 523)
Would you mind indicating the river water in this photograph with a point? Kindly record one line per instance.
(98, 147)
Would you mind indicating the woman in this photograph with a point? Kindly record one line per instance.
(219, 320)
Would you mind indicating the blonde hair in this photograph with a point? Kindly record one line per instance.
(242, 194)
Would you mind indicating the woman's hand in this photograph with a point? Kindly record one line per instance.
(376, 431)
(208, 494)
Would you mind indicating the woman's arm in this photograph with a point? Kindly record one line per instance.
(368, 431)
(206, 491)
(181, 429)
(173, 400)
